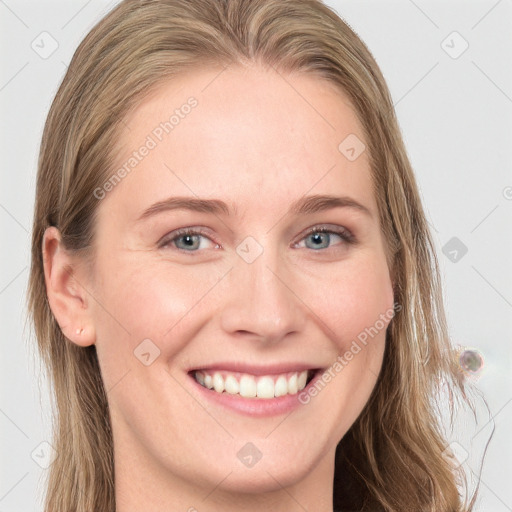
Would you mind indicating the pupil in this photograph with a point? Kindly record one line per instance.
(318, 238)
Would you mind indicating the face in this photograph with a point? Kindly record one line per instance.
(220, 263)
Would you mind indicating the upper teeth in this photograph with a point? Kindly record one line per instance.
(248, 386)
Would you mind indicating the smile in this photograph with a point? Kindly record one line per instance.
(251, 386)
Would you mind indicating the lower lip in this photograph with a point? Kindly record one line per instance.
(260, 407)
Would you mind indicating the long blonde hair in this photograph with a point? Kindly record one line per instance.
(392, 458)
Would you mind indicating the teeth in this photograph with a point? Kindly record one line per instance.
(200, 378)
(281, 386)
(249, 386)
(208, 381)
(218, 382)
(231, 385)
(302, 380)
(265, 387)
(292, 384)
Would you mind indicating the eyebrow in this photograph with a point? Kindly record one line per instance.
(303, 206)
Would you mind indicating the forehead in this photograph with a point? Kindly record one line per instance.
(243, 134)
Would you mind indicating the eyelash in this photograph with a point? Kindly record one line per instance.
(343, 233)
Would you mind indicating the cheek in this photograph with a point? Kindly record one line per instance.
(352, 300)
(146, 299)
(354, 307)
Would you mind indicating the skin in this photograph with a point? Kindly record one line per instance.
(259, 141)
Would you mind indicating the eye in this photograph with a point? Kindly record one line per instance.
(188, 239)
(321, 237)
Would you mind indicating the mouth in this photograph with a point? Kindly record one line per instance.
(246, 385)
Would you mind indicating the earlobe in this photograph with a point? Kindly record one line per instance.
(68, 299)
(83, 336)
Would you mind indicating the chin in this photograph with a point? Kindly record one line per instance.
(263, 480)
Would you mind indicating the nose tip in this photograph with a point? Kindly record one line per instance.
(261, 303)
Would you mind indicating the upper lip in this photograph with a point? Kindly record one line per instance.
(253, 369)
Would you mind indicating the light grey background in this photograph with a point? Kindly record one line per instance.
(455, 112)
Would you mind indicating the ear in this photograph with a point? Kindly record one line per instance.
(68, 299)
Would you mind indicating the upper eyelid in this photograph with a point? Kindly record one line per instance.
(329, 228)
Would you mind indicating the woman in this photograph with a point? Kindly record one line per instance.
(233, 284)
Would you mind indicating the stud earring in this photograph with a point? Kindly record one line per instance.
(79, 331)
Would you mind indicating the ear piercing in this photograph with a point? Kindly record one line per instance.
(79, 331)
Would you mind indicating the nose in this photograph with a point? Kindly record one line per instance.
(261, 300)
